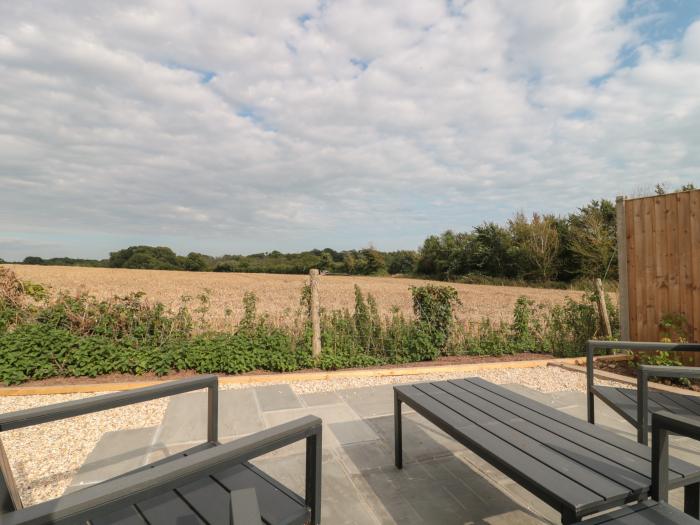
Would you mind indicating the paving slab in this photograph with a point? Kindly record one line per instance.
(370, 402)
(116, 453)
(421, 439)
(185, 419)
(342, 504)
(276, 397)
(321, 398)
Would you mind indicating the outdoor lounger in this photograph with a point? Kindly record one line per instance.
(576, 467)
(212, 483)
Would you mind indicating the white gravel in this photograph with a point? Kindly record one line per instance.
(45, 457)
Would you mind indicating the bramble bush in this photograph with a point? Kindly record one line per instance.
(79, 335)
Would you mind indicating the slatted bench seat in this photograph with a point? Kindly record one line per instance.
(577, 468)
(637, 405)
(206, 500)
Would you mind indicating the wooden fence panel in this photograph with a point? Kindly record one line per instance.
(662, 244)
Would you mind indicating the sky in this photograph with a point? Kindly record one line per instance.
(241, 126)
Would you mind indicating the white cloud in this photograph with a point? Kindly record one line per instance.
(244, 126)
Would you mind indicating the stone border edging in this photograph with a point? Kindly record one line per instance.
(294, 376)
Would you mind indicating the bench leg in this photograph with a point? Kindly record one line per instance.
(590, 398)
(398, 435)
(692, 500)
(568, 517)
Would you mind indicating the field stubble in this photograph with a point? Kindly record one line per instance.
(278, 295)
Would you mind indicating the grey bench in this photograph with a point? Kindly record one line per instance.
(637, 405)
(211, 483)
(577, 468)
(656, 510)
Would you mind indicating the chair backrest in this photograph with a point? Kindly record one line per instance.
(9, 495)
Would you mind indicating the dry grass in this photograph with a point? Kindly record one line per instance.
(278, 295)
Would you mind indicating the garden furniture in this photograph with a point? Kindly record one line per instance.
(625, 400)
(574, 466)
(657, 510)
(211, 483)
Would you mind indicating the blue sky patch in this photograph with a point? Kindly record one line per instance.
(205, 76)
(661, 19)
(358, 62)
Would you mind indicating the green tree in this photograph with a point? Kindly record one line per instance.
(373, 261)
(593, 240)
(401, 262)
(195, 262)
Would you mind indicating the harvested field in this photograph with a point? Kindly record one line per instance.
(278, 295)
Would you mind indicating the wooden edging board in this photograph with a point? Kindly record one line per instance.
(295, 376)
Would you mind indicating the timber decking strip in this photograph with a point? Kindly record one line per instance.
(206, 501)
(574, 466)
(648, 512)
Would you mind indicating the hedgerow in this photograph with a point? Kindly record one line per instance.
(82, 336)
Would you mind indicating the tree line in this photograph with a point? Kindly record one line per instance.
(541, 248)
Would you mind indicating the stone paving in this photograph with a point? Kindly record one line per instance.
(441, 483)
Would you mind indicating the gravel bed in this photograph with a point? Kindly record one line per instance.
(45, 457)
(545, 379)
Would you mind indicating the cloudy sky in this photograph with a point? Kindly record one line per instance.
(240, 126)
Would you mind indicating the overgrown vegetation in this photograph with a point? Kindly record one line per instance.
(79, 335)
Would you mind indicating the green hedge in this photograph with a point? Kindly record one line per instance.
(76, 336)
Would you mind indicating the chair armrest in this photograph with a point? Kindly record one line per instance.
(662, 424)
(137, 486)
(34, 416)
(645, 372)
(669, 371)
(645, 346)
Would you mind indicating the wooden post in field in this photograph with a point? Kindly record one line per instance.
(602, 308)
(315, 314)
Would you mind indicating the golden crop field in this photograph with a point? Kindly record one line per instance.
(278, 295)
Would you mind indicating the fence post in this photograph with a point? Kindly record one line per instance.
(315, 314)
(623, 286)
(602, 308)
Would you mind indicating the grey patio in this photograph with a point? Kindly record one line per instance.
(441, 481)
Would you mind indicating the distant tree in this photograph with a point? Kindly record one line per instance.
(33, 260)
(195, 262)
(326, 261)
(401, 262)
(350, 262)
(593, 239)
(537, 241)
(373, 261)
(149, 257)
(494, 252)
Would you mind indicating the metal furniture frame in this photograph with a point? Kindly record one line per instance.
(577, 468)
(657, 510)
(636, 406)
(207, 483)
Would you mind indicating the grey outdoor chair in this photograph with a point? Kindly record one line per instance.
(657, 510)
(636, 406)
(211, 483)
